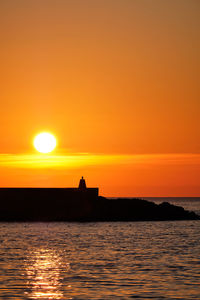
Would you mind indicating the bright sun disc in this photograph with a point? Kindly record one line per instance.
(45, 142)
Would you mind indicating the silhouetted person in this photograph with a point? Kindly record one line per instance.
(82, 184)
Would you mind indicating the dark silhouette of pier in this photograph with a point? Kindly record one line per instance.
(81, 204)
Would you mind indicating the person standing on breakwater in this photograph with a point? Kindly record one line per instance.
(82, 184)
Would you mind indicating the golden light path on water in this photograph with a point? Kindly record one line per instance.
(117, 260)
(43, 274)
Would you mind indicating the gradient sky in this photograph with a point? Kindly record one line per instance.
(116, 81)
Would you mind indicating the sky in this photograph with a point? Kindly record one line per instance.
(117, 83)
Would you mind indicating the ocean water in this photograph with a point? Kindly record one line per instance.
(116, 260)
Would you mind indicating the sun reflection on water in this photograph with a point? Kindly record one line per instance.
(43, 273)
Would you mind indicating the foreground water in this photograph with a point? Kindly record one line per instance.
(138, 260)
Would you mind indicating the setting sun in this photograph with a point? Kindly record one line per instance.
(44, 142)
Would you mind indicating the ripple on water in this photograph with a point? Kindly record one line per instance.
(143, 260)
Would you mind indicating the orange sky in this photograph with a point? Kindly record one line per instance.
(115, 80)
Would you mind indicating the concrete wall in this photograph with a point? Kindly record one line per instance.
(46, 203)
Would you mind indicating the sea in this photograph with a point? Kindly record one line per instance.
(110, 260)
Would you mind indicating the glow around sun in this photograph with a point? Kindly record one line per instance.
(44, 142)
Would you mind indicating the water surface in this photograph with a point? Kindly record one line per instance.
(116, 260)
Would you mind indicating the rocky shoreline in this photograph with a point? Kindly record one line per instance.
(82, 208)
